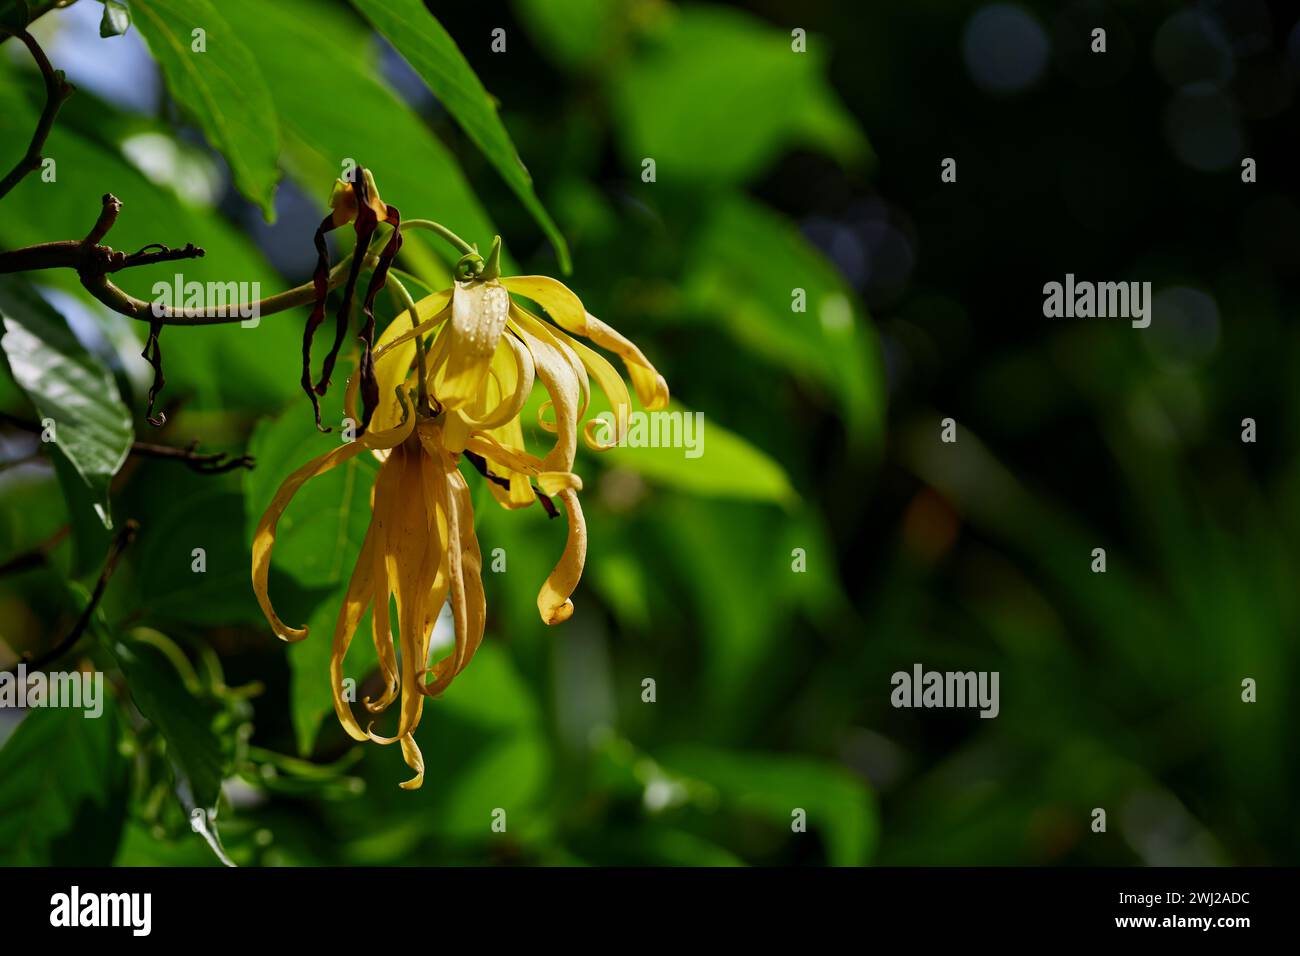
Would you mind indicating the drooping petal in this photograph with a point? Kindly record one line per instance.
(360, 595)
(553, 599)
(415, 760)
(518, 490)
(381, 624)
(516, 460)
(264, 536)
(611, 383)
(567, 311)
(464, 563)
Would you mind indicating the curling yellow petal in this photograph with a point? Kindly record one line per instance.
(412, 555)
(553, 599)
(264, 536)
(415, 760)
(519, 493)
(381, 624)
(567, 311)
(464, 348)
(465, 566)
(506, 389)
(556, 370)
(611, 383)
(359, 595)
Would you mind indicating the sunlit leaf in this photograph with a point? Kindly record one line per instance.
(221, 85)
(421, 39)
(70, 389)
(330, 117)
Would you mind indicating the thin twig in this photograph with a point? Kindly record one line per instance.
(94, 263)
(57, 89)
(205, 463)
(120, 544)
(214, 463)
(37, 557)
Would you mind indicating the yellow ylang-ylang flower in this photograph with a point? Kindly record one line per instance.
(483, 354)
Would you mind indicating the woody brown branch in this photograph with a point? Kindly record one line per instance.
(57, 89)
(94, 263)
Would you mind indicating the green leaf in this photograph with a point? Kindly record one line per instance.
(62, 789)
(329, 116)
(193, 749)
(719, 94)
(728, 466)
(747, 263)
(197, 512)
(838, 804)
(421, 39)
(69, 387)
(116, 20)
(221, 86)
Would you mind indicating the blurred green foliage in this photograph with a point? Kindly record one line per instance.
(688, 576)
(771, 683)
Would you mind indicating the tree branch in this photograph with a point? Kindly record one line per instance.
(120, 544)
(215, 463)
(37, 557)
(57, 89)
(94, 263)
(209, 463)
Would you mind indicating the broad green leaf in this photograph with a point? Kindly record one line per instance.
(330, 116)
(220, 366)
(72, 392)
(62, 789)
(746, 265)
(722, 464)
(201, 513)
(215, 77)
(116, 19)
(193, 750)
(838, 804)
(718, 95)
(421, 39)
